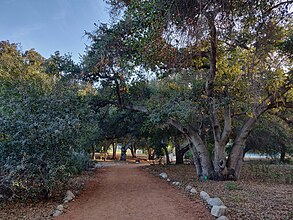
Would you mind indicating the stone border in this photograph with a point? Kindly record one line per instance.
(217, 207)
(69, 196)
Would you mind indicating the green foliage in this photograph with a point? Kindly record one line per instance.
(272, 136)
(44, 122)
(61, 65)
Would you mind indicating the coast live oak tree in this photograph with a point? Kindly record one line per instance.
(227, 54)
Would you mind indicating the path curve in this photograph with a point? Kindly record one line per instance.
(126, 192)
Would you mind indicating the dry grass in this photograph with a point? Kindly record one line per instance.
(264, 192)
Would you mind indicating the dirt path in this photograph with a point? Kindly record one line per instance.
(127, 192)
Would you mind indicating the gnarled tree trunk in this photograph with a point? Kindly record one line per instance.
(180, 151)
(201, 156)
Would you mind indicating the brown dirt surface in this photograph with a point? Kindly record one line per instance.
(127, 192)
(265, 191)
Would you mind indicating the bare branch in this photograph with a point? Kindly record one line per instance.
(278, 5)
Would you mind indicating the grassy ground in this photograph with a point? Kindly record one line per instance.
(265, 191)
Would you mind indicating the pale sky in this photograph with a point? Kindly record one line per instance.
(50, 25)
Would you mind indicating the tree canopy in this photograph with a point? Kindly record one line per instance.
(211, 69)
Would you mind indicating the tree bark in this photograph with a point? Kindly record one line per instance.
(179, 152)
(200, 153)
(201, 157)
(114, 145)
(167, 154)
(283, 153)
(150, 154)
(236, 155)
(133, 150)
(93, 152)
(123, 152)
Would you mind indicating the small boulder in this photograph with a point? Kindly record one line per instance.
(163, 175)
(57, 213)
(69, 193)
(68, 197)
(188, 188)
(65, 200)
(176, 183)
(193, 190)
(168, 180)
(204, 196)
(215, 201)
(60, 208)
(218, 211)
(222, 218)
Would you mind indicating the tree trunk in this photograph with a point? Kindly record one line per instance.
(220, 161)
(283, 153)
(179, 152)
(235, 159)
(167, 154)
(133, 150)
(93, 152)
(200, 153)
(153, 154)
(201, 157)
(123, 152)
(114, 145)
(150, 154)
(179, 156)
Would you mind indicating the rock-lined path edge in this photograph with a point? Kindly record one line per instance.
(127, 192)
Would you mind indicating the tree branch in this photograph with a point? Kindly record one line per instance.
(278, 5)
(281, 104)
(227, 125)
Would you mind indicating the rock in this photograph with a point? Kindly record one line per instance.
(57, 213)
(60, 207)
(193, 190)
(176, 183)
(69, 193)
(163, 175)
(168, 180)
(215, 201)
(188, 188)
(204, 196)
(68, 197)
(222, 218)
(218, 211)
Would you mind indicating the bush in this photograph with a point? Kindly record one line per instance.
(42, 135)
